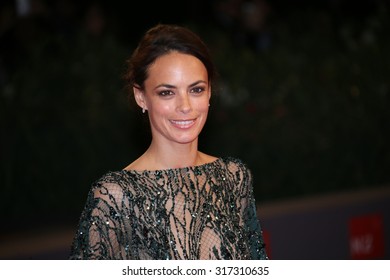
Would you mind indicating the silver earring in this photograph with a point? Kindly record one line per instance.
(143, 110)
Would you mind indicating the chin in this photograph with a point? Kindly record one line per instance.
(185, 140)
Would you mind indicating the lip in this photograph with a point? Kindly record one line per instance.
(183, 124)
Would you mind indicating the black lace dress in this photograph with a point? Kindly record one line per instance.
(200, 212)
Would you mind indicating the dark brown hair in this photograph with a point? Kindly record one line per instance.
(160, 40)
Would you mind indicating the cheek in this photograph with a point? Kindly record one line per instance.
(204, 105)
(162, 108)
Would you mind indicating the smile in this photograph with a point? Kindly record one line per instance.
(183, 123)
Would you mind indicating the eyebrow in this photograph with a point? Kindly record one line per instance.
(171, 86)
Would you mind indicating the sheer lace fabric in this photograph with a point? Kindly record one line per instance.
(200, 212)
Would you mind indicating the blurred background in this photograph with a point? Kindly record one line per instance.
(303, 98)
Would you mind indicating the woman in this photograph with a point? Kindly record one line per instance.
(173, 202)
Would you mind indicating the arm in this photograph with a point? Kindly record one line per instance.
(253, 230)
(101, 228)
(250, 221)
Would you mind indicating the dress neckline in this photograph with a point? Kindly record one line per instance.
(178, 169)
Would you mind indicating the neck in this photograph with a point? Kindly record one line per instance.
(173, 155)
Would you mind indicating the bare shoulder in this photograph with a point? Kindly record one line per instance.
(205, 158)
(135, 165)
(140, 164)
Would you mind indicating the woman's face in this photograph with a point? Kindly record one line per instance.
(176, 95)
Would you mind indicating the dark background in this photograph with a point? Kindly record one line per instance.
(303, 98)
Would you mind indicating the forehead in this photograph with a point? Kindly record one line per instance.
(175, 64)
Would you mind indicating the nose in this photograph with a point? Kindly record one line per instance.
(184, 104)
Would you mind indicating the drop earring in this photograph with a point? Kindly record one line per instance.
(143, 110)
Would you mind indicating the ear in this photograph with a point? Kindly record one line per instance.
(209, 92)
(139, 97)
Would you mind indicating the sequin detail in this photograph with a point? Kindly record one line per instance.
(201, 212)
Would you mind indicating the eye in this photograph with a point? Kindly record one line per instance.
(197, 90)
(165, 93)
